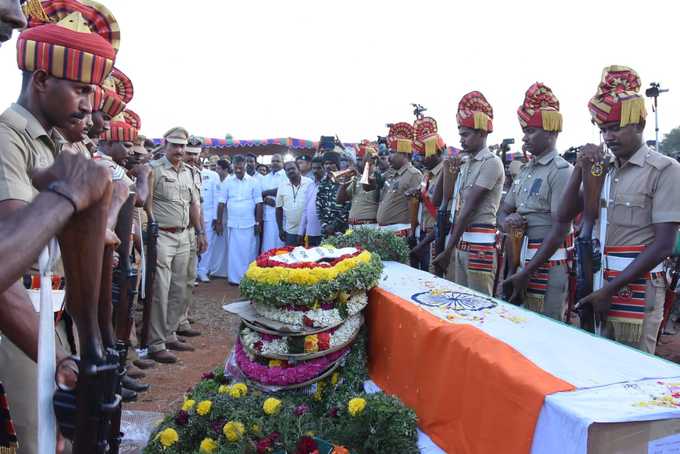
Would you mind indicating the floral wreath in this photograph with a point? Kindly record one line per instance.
(274, 372)
(274, 283)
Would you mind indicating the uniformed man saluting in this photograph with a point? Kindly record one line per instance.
(174, 206)
(471, 250)
(534, 196)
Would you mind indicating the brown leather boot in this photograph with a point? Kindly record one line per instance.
(188, 332)
(179, 347)
(163, 356)
(144, 363)
(134, 372)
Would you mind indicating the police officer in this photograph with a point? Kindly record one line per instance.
(535, 195)
(171, 205)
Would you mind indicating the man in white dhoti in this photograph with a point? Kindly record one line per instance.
(270, 184)
(219, 259)
(242, 195)
(211, 180)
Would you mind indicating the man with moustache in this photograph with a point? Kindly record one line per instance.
(470, 254)
(290, 204)
(54, 94)
(310, 225)
(304, 163)
(534, 197)
(332, 215)
(11, 18)
(270, 184)
(173, 205)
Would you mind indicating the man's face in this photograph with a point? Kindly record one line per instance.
(623, 142)
(397, 160)
(292, 171)
(120, 152)
(262, 170)
(191, 158)
(383, 162)
(318, 170)
(303, 165)
(536, 140)
(430, 162)
(11, 17)
(330, 166)
(174, 152)
(344, 163)
(101, 123)
(251, 162)
(277, 163)
(240, 169)
(76, 131)
(471, 140)
(64, 103)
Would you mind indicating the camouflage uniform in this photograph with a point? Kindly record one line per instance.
(331, 213)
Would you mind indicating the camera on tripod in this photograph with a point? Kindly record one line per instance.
(655, 90)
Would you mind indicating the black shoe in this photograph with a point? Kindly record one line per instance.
(133, 384)
(128, 395)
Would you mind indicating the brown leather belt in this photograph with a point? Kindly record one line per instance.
(172, 229)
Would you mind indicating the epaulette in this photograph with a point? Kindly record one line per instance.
(657, 160)
(560, 162)
(155, 163)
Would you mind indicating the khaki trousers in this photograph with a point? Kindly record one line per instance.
(19, 375)
(655, 297)
(191, 278)
(553, 303)
(460, 273)
(169, 288)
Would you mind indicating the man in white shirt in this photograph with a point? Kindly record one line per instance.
(218, 263)
(209, 194)
(270, 184)
(290, 203)
(243, 197)
(309, 224)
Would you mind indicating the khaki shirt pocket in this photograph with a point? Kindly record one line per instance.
(170, 187)
(631, 209)
(539, 200)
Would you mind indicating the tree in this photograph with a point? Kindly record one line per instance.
(670, 145)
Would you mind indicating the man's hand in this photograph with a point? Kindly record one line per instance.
(601, 300)
(282, 235)
(258, 229)
(519, 282)
(329, 230)
(588, 155)
(416, 251)
(81, 179)
(513, 220)
(201, 244)
(441, 262)
(111, 239)
(218, 228)
(140, 171)
(270, 201)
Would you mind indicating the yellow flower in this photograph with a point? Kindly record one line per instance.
(233, 430)
(356, 406)
(168, 437)
(334, 378)
(271, 406)
(204, 407)
(188, 404)
(348, 232)
(238, 390)
(208, 445)
(310, 433)
(275, 363)
(311, 343)
(223, 389)
(318, 395)
(256, 429)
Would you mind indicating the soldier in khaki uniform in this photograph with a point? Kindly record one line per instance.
(535, 195)
(470, 254)
(364, 208)
(170, 206)
(191, 159)
(402, 182)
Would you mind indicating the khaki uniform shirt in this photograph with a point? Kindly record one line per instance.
(431, 179)
(364, 203)
(538, 191)
(394, 205)
(485, 170)
(26, 146)
(644, 191)
(197, 182)
(172, 193)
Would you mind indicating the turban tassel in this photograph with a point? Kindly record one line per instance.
(632, 110)
(404, 146)
(481, 121)
(552, 120)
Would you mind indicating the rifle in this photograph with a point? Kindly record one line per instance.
(147, 301)
(449, 177)
(512, 246)
(670, 292)
(123, 291)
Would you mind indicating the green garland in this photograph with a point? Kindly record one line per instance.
(384, 424)
(386, 244)
(362, 277)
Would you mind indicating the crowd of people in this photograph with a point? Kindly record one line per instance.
(72, 149)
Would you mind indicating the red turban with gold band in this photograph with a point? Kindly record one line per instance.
(69, 40)
(114, 94)
(427, 142)
(618, 98)
(475, 112)
(124, 128)
(400, 138)
(541, 109)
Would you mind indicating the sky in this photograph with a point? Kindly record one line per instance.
(261, 69)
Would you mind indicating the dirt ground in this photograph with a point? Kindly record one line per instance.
(219, 329)
(170, 381)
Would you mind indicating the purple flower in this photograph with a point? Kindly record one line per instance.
(208, 376)
(182, 418)
(301, 410)
(333, 412)
(217, 425)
